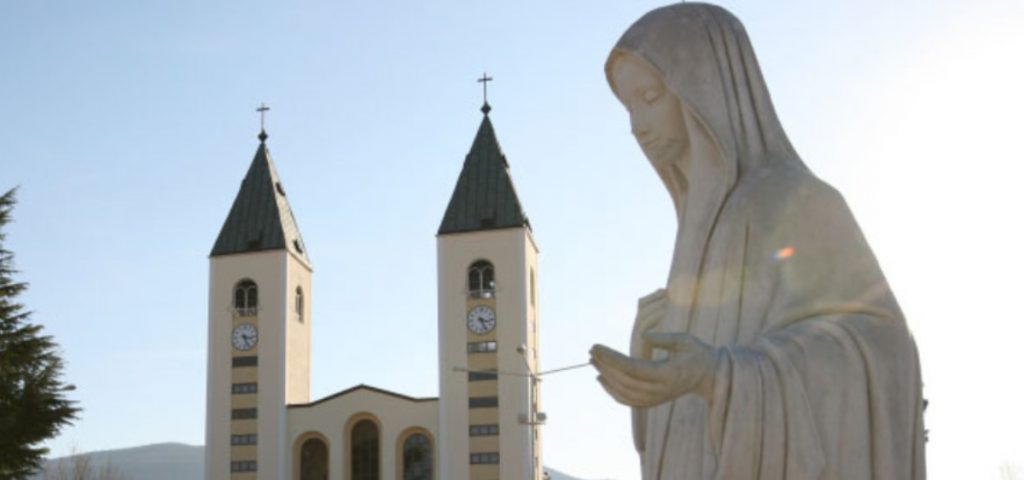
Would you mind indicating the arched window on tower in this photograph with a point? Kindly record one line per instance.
(300, 304)
(313, 460)
(481, 279)
(365, 451)
(417, 458)
(246, 298)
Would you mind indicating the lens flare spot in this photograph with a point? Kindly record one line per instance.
(784, 253)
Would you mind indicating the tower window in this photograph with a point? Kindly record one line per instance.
(483, 430)
(243, 388)
(300, 303)
(243, 413)
(483, 402)
(244, 466)
(245, 439)
(246, 298)
(246, 361)
(482, 376)
(482, 347)
(484, 458)
(481, 279)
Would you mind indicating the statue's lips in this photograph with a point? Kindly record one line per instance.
(656, 149)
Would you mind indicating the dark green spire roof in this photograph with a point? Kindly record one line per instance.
(260, 219)
(484, 197)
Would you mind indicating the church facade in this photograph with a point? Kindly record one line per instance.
(261, 423)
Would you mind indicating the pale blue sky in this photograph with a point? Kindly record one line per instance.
(129, 125)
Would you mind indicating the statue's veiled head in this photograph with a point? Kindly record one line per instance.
(688, 66)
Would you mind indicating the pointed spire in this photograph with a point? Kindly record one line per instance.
(260, 218)
(484, 196)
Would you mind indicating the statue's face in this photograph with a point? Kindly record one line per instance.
(655, 113)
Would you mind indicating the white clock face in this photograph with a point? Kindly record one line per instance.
(481, 319)
(244, 337)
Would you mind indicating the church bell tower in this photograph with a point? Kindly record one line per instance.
(259, 329)
(487, 324)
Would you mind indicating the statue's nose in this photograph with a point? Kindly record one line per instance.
(639, 128)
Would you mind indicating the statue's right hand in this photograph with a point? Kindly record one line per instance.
(649, 313)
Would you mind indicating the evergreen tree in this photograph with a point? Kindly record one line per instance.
(33, 406)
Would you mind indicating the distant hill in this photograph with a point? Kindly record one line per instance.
(160, 461)
(556, 475)
(166, 461)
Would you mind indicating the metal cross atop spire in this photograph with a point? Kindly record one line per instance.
(484, 79)
(263, 108)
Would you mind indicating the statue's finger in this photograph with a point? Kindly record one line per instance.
(641, 369)
(613, 392)
(625, 397)
(625, 382)
(629, 382)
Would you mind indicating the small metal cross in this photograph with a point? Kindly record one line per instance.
(263, 108)
(484, 79)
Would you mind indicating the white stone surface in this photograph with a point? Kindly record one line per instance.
(777, 349)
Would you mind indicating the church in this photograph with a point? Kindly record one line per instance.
(260, 420)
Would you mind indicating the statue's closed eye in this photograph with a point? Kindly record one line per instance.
(652, 95)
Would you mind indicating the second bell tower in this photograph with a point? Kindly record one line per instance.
(487, 324)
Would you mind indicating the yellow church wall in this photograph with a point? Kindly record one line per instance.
(482, 361)
(484, 444)
(483, 388)
(243, 375)
(242, 427)
(484, 471)
(244, 451)
(482, 416)
(243, 401)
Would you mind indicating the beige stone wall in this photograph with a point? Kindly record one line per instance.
(298, 344)
(513, 254)
(332, 418)
(283, 351)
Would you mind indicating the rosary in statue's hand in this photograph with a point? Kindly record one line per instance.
(689, 368)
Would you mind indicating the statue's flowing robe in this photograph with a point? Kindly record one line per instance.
(817, 376)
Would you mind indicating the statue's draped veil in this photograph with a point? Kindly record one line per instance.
(683, 41)
(817, 376)
(704, 57)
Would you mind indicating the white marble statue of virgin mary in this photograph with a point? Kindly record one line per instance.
(777, 349)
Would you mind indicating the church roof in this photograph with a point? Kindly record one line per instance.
(260, 219)
(484, 197)
(363, 387)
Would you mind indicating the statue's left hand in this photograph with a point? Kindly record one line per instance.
(689, 368)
